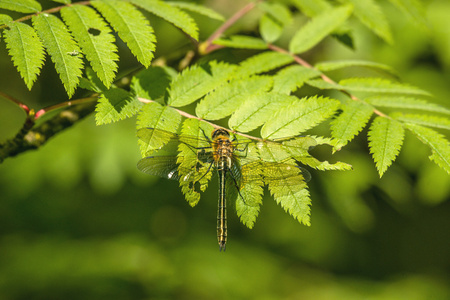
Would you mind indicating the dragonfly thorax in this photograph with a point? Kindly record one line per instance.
(222, 148)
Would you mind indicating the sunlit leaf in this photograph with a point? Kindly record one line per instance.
(426, 120)
(23, 6)
(171, 14)
(318, 28)
(385, 142)
(291, 78)
(26, 51)
(350, 122)
(224, 100)
(63, 50)
(241, 41)
(202, 10)
(197, 81)
(263, 62)
(133, 28)
(299, 116)
(406, 103)
(257, 109)
(115, 105)
(95, 39)
(155, 115)
(371, 15)
(440, 146)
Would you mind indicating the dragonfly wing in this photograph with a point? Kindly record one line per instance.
(162, 166)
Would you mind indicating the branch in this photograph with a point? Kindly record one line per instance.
(30, 137)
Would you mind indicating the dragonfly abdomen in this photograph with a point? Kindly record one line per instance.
(222, 208)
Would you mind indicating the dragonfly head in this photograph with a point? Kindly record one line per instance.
(220, 133)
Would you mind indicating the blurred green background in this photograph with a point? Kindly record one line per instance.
(78, 220)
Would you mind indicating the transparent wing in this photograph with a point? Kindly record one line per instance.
(162, 166)
(157, 139)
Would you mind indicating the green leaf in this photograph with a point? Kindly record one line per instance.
(324, 85)
(340, 64)
(92, 82)
(426, 120)
(378, 85)
(285, 181)
(197, 81)
(291, 78)
(151, 83)
(189, 158)
(256, 109)
(26, 51)
(133, 28)
(171, 14)
(312, 8)
(249, 198)
(202, 10)
(116, 105)
(155, 115)
(224, 100)
(60, 45)
(23, 6)
(406, 103)
(371, 15)
(440, 147)
(269, 28)
(279, 12)
(263, 62)
(5, 19)
(63, 1)
(318, 28)
(385, 141)
(241, 41)
(95, 38)
(414, 10)
(350, 122)
(299, 116)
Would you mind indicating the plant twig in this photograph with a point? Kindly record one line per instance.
(207, 46)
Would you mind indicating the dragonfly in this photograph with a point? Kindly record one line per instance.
(243, 166)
